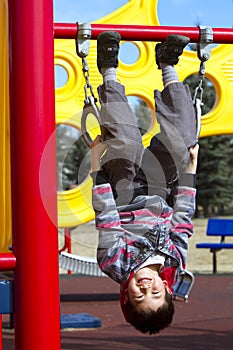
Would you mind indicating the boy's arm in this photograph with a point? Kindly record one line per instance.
(102, 196)
(107, 219)
(191, 167)
(184, 206)
(112, 243)
(97, 149)
(188, 177)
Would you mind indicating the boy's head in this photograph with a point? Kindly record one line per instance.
(147, 301)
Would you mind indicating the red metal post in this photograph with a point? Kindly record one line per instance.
(35, 238)
(0, 332)
(144, 33)
(67, 241)
(67, 244)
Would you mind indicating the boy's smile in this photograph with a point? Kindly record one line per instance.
(146, 289)
(144, 280)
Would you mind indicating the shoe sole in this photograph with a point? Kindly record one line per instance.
(180, 40)
(109, 35)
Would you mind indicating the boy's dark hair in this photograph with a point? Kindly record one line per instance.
(151, 321)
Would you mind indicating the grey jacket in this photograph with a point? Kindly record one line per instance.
(129, 235)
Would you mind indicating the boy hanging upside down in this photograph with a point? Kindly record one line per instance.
(143, 240)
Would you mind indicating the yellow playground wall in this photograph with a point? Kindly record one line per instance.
(5, 188)
(140, 78)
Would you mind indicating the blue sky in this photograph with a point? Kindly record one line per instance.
(171, 12)
(214, 13)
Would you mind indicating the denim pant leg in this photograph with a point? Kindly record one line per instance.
(120, 131)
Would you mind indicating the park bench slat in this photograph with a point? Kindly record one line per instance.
(215, 245)
(220, 227)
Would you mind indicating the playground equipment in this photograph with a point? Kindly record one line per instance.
(29, 30)
(29, 27)
(5, 174)
(140, 78)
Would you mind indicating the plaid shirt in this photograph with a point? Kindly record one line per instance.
(129, 235)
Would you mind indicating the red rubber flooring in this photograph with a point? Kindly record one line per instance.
(205, 322)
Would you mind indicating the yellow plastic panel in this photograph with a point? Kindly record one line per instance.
(140, 79)
(5, 188)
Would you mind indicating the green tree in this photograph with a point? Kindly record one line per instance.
(73, 159)
(215, 169)
(209, 94)
(142, 113)
(215, 174)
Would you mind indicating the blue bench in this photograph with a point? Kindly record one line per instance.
(6, 297)
(222, 228)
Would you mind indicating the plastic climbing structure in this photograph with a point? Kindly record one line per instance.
(140, 79)
(31, 208)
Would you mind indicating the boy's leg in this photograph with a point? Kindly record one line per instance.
(174, 107)
(119, 126)
(176, 116)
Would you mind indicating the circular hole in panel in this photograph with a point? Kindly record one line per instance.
(73, 157)
(142, 113)
(61, 76)
(129, 53)
(209, 92)
(92, 126)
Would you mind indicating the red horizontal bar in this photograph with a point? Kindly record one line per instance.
(7, 262)
(143, 33)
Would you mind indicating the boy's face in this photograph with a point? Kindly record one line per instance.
(146, 290)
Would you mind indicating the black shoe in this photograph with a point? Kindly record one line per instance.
(169, 50)
(107, 49)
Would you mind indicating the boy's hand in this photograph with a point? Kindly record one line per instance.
(192, 164)
(97, 149)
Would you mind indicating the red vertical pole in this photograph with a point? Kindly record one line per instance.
(68, 243)
(35, 239)
(0, 332)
